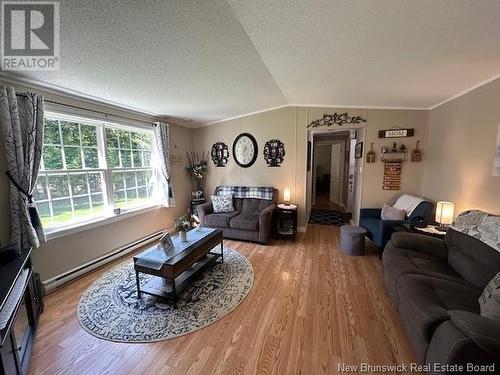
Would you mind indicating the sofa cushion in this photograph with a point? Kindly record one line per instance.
(222, 203)
(392, 213)
(489, 302)
(245, 221)
(371, 224)
(424, 305)
(254, 205)
(399, 261)
(238, 204)
(475, 261)
(220, 220)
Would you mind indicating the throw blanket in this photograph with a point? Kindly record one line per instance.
(259, 192)
(481, 225)
(408, 203)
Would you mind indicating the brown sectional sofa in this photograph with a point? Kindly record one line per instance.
(435, 285)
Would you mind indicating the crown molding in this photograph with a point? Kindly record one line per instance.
(462, 93)
(244, 115)
(72, 94)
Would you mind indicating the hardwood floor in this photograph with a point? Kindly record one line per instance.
(310, 309)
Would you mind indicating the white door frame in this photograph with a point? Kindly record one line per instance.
(358, 183)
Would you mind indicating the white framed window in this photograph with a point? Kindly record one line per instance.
(91, 167)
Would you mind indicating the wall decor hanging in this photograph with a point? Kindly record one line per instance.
(358, 150)
(245, 150)
(394, 153)
(416, 154)
(396, 133)
(392, 175)
(274, 152)
(496, 160)
(371, 157)
(336, 119)
(220, 154)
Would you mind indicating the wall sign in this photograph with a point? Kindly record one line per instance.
(336, 119)
(396, 133)
(392, 175)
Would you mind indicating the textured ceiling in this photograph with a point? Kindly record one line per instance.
(395, 53)
(210, 59)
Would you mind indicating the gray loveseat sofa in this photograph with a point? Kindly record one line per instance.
(252, 219)
(435, 285)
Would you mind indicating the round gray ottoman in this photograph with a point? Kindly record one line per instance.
(352, 240)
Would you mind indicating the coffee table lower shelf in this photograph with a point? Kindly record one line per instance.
(169, 289)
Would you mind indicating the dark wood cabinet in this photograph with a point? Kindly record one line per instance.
(21, 303)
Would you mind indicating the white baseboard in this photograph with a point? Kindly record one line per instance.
(67, 276)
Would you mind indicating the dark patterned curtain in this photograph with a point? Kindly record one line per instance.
(21, 120)
(162, 138)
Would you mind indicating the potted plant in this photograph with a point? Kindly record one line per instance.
(197, 169)
(183, 224)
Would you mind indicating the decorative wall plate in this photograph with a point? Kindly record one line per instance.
(245, 150)
(336, 119)
(274, 152)
(220, 154)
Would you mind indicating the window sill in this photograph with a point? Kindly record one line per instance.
(80, 227)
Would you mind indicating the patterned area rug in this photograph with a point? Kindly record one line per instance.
(109, 308)
(326, 216)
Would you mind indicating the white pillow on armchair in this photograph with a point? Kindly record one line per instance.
(392, 213)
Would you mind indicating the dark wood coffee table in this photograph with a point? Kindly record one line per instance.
(174, 270)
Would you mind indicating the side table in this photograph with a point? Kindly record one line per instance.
(286, 220)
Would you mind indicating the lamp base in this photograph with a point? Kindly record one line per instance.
(442, 227)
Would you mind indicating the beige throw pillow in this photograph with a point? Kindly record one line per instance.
(391, 213)
(489, 302)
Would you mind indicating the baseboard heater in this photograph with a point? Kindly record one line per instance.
(67, 276)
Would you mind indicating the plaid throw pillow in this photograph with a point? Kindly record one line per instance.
(222, 203)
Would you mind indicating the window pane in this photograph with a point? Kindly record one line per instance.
(97, 200)
(147, 158)
(51, 132)
(90, 157)
(62, 210)
(89, 135)
(146, 141)
(81, 204)
(118, 183)
(143, 193)
(41, 189)
(131, 194)
(70, 133)
(120, 199)
(126, 158)
(44, 213)
(78, 184)
(124, 139)
(113, 158)
(141, 178)
(73, 157)
(130, 179)
(95, 182)
(137, 158)
(112, 137)
(136, 140)
(58, 186)
(52, 157)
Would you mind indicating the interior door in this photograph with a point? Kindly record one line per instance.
(337, 173)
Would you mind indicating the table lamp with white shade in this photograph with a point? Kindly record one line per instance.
(287, 195)
(444, 214)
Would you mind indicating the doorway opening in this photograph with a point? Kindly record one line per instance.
(334, 176)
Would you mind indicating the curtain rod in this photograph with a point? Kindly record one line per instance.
(91, 110)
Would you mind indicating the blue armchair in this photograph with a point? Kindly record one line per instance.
(380, 231)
